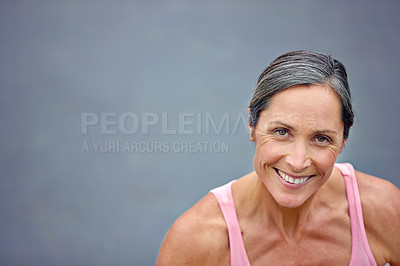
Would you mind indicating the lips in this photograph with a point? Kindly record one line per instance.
(294, 180)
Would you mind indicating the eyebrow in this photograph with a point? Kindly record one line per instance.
(323, 131)
(277, 122)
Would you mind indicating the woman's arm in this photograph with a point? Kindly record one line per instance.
(381, 210)
(391, 231)
(198, 237)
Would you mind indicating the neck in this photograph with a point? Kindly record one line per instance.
(290, 222)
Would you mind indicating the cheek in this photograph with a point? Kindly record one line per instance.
(324, 160)
(267, 153)
(332, 153)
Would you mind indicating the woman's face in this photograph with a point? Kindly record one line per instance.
(298, 138)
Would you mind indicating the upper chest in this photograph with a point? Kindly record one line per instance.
(327, 242)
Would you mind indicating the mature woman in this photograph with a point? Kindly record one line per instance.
(298, 207)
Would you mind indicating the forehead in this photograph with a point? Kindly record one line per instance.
(313, 105)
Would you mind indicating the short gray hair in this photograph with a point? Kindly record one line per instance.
(302, 68)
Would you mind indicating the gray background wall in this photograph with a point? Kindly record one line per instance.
(59, 59)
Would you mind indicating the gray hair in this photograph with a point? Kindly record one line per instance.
(302, 68)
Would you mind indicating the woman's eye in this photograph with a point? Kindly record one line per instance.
(322, 139)
(281, 132)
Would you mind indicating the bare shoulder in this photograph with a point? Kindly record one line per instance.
(379, 194)
(198, 237)
(380, 201)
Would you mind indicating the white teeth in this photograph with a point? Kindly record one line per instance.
(291, 180)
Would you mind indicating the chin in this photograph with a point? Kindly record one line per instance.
(290, 201)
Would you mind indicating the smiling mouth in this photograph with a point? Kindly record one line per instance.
(291, 179)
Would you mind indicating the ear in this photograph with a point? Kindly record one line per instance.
(251, 129)
(252, 133)
(344, 144)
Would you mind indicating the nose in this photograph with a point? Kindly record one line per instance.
(298, 157)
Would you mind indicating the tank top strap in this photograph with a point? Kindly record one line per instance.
(236, 244)
(360, 252)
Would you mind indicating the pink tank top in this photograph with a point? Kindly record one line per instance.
(361, 254)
